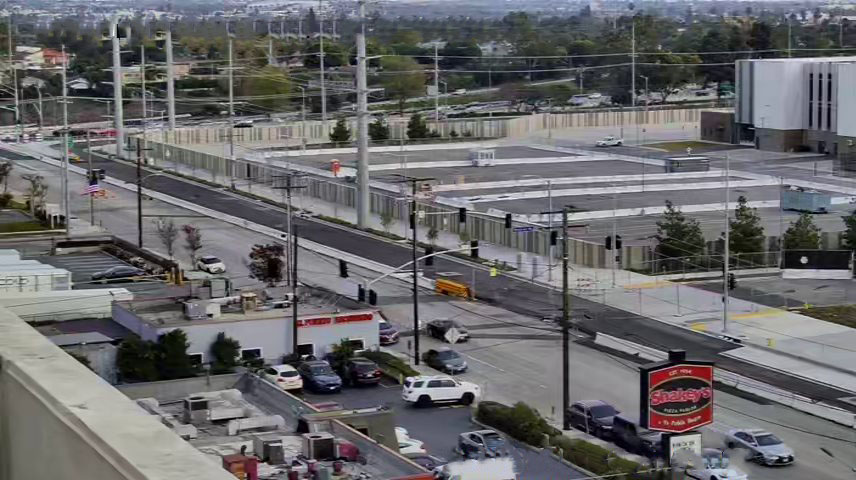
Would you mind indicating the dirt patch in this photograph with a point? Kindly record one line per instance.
(840, 314)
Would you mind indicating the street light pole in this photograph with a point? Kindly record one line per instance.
(725, 250)
(566, 319)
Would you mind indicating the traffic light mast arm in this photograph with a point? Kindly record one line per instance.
(402, 267)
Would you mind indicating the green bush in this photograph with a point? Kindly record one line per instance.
(390, 364)
(520, 421)
(601, 461)
(5, 200)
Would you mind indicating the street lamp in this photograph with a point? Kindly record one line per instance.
(140, 181)
(552, 247)
(303, 117)
(647, 102)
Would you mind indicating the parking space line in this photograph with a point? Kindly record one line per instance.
(483, 362)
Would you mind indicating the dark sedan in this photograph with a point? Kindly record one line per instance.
(440, 328)
(445, 360)
(388, 334)
(121, 273)
(319, 377)
(593, 416)
(361, 371)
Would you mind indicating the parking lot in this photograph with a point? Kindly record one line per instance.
(438, 427)
(83, 265)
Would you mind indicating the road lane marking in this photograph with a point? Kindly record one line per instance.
(483, 362)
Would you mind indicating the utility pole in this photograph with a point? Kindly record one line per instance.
(231, 112)
(436, 88)
(65, 194)
(294, 293)
(725, 255)
(270, 46)
(143, 86)
(118, 120)
(139, 193)
(18, 124)
(89, 161)
(41, 117)
(415, 277)
(566, 320)
(632, 62)
(289, 186)
(615, 252)
(321, 63)
(363, 191)
(840, 33)
(789, 36)
(170, 80)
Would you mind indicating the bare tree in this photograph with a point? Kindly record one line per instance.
(192, 241)
(37, 191)
(5, 171)
(168, 233)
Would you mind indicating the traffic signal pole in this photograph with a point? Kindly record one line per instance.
(725, 251)
(566, 320)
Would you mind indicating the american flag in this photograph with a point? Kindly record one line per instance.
(92, 189)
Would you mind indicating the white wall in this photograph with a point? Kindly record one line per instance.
(63, 305)
(779, 95)
(847, 100)
(271, 335)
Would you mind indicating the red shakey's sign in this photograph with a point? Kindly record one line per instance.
(323, 321)
(678, 397)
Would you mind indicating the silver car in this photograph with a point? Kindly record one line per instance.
(764, 447)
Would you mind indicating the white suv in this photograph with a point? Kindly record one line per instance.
(425, 390)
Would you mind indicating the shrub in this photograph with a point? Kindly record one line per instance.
(520, 421)
(390, 364)
(5, 200)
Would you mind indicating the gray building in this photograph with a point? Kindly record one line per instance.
(798, 104)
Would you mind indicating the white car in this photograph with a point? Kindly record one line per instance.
(764, 447)
(713, 465)
(610, 141)
(426, 390)
(210, 264)
(284, 376)
(407, 445)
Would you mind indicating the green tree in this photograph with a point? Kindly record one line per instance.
(850, 230)
(803, 234)
(416, 127)
(677, 235)
(268, 81)
(746, 235)
(5, 171)
(224, 354)
(432, 234)
(171, 357)
(340, 133)
(386, 220)
(672, 74)
(403, 78)
(379, 130)
(341, 353)
(266, 263)
(135, 360)
(192, 242)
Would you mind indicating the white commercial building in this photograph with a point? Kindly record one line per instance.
(795, 104)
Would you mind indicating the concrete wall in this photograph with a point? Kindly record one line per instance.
(168, 390)
(847, 98)
(779, 95)
(778, 140)
(717, 127)
(58, 306)
(58, 420)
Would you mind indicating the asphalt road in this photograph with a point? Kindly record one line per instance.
(503, 291)
(438, 428)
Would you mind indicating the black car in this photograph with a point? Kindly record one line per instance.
(438, 329)
(593, 416)
(361, 371)
(318, 376)
(119, 273)
(426, 461)
(445, 360)
(635, 439)
(388, 334)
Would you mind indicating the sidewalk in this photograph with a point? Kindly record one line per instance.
(778, 339)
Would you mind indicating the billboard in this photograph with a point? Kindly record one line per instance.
(676, 397)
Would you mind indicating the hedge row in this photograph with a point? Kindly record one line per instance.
(523, 423)
(390, 364)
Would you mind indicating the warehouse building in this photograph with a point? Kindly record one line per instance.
(798, 104)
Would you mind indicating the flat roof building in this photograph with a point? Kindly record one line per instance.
(798, 104)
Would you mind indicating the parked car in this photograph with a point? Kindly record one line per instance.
(446, 360)
(610, 141)
(473, 445)
(361, 371)
(210, 264)
(319, 377)
(635, 439)
(407, 445)
(388, 333)
(426, 390)
(438, 329)
(713, 465)
(593, 416)
(99, 173)
(284, 376)
(120, 273)
(244, 124)
(764, 447)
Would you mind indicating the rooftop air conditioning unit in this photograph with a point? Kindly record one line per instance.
(318, 446)
(269, 448)
(195, 310)
(249, 301)
(195, 410)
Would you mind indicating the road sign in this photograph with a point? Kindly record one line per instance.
(524, 229)
(452, 335)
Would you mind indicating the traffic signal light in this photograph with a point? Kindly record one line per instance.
(412, 218)
(607, 242)
(361, 293)
(429, 261)
(618, 242)
(474, 248)
(732, 281)
(554, 237)
(343, 269)
(507, 220)
(372, 297)
(462, 215)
